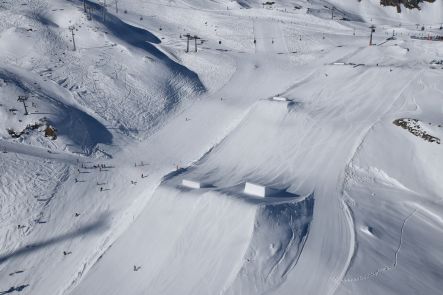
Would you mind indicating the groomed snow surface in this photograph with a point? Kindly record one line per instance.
(285, 156)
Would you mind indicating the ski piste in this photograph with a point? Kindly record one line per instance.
(220, 147)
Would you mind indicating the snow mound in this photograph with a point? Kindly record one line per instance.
(47, 105)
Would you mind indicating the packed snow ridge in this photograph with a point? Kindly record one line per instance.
(221, 147)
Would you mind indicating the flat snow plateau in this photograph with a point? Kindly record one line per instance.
(124, 158)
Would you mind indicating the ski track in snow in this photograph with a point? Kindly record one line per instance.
(356, 151)
(353, 243)
(386, 268)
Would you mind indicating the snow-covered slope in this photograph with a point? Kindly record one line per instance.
(346, 138)
(371, 10)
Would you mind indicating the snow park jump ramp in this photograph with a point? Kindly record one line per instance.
(300, 146)
(206, 235)
(232, 241)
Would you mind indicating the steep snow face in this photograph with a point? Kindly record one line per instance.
(377, 185)
(345, 138)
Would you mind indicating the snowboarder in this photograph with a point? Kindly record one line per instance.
(101, 189)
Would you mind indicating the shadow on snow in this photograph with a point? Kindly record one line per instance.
(94, 227)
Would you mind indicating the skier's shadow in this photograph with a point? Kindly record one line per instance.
(96, 226)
